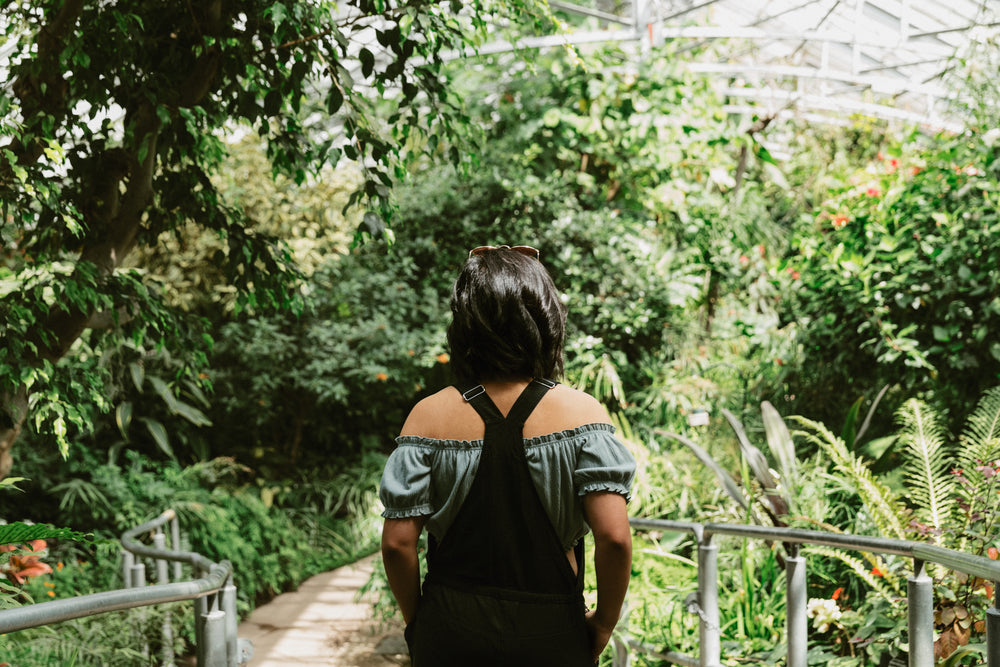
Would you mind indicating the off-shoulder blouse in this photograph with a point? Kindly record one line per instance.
(431, 477)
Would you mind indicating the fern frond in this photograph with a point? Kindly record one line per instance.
(926, 467)
(878, 499)
(887, 586)
(980, 447)
(983, 426)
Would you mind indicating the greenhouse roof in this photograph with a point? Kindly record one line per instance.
(819, 59)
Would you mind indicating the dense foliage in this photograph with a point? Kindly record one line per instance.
(111, 128)
(261, 362)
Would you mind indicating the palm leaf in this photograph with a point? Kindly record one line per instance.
(782, 447)
(878, 499)
(931, 487)
(724, 479)
(775, 501)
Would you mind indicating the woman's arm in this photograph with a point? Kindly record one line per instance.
(608, 519)
(402, 568)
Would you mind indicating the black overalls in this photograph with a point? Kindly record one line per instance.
(499, 590)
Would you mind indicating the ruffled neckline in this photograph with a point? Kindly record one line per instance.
(559, 436)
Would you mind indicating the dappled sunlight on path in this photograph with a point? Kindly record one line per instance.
(322, 623)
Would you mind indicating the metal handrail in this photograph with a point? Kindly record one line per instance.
(213, 593)
(920, 598)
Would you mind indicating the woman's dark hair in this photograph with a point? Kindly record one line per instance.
(507, 319)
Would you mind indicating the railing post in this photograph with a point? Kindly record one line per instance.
(993, 629)
(920, 602)
(709, 632)
(228, 605)
(128, 560)
(137, 579)
(200, 613)
(796, 621)
(175, 544)
(163, 577)
(214, 654)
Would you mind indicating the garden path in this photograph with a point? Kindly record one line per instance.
(323, 623)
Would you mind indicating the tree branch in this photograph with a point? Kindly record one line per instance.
(28, 89)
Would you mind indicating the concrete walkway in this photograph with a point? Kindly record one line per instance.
(322, 623)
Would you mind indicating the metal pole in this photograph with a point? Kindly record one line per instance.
(228, 603)
(993, 629)
(128, 560)
(796, 622)
(163, 577)
(200, 612)
(710, 652)
(214, 654)
(138, 580)
(175, 544)
(920, 616)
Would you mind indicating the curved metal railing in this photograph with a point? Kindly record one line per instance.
(212, 590)
(920, 600)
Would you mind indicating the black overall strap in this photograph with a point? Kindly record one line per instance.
(502, 541)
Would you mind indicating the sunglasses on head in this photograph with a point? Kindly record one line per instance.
(525, 250)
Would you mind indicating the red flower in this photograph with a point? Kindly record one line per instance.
(873, 192)
(877, 572)
(837, 593)
(840, 221)
(993, 553)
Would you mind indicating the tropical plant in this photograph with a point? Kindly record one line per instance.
(98, 163)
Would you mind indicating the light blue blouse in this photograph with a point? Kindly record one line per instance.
(430, 477)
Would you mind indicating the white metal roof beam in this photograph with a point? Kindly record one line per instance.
(935, 33)
(877, 83)
(586, 11)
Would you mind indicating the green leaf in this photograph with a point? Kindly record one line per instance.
(367, 62)
(138, 374)
(334, 100)
(123, 417)
(159, 433)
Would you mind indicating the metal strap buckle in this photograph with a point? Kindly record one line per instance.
(472, 393)
(548, 384)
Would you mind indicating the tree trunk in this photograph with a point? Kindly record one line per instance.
(13, 411)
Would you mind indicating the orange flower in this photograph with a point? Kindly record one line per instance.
(381, 377)
(837, 593)
(993, 553)
(443, 358)
(873, 192)
(21, 567)
(877, 572)
(840, 221)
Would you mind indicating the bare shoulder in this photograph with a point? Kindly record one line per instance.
(580, 403)
(427, 416)
(565, 408)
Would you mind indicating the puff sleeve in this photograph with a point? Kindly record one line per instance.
(405, 490)
(603, 464)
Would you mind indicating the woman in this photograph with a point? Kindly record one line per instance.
(506, 472)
